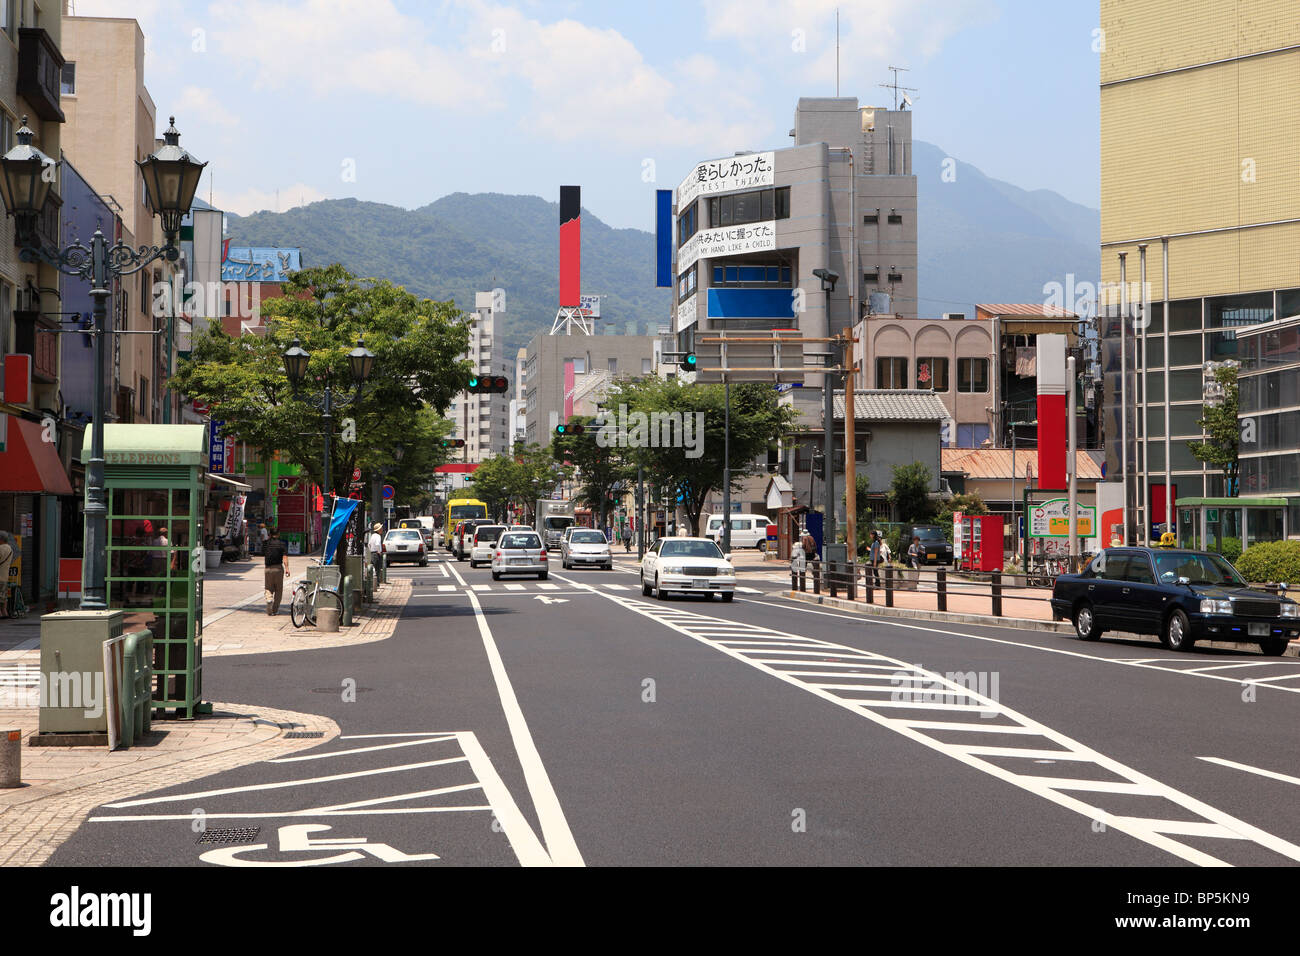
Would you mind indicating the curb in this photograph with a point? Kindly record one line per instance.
(952, 617)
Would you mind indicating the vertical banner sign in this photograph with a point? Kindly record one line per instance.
(235, 517)
(664, 238)
(216, 448)
(343, 508)
(568, 391)
(570, 246)
(956, 537)
(1052, 438)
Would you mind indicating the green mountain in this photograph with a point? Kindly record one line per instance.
(981, 240)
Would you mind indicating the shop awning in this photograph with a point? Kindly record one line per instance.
(30, 465)
(228, 484)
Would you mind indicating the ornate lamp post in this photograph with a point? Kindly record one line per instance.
(171, 176)
(296, 359)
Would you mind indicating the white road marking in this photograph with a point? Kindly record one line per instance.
(446, 587)
(481, 587)
(545, 586)
(1271, 774)
(1159, 832)
(363, 750)
(556, 835)
(514, 587)
(546, 599)
(442, 566)
(1150, 663)
(455, 574)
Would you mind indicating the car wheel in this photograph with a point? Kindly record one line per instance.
(543, 575)
(660, 593)
(1085, 622)
(762, 546)
(645, 588)
(728, 595)
(424, 563)
(1178, 632)
(496, 575)
(1275, 647)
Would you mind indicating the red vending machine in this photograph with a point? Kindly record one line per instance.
(981, 542)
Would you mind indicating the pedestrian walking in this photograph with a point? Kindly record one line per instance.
(7, 551)
(914, 553)
(873, 557)
(375, 548)
(262, 537)
(276, 557)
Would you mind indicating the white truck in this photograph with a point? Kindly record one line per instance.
(552, 518)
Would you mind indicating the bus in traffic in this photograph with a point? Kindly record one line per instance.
(458, 510)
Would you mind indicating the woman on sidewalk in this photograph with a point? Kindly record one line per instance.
(7, 552)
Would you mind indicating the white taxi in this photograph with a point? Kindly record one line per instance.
(688, 566)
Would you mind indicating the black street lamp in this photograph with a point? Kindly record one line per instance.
(171, 176)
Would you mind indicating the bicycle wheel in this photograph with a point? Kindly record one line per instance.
(299, 606)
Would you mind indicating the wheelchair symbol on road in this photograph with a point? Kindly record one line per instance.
(296, 839)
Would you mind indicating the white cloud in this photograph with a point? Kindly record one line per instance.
(203, 107)
(254, 199)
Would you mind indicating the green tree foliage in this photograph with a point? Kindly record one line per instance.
(517, 479)
(1222, 431)
(969, 503)
(1271, 562)
(694, 469)
(600, 470)
(416, 372)
(909, 492)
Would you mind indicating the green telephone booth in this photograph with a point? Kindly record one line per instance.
(156, 483)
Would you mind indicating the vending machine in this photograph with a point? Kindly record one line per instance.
(978, 542)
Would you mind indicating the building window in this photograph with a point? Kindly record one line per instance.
(645, 366)
(759, 205)
(579, 365)
(1235, 310)
(686, 283)
(871, 276)
(613, 366)
(68, 79)
(871, 219)
(6, 129)
(896, 277)
(972, 436)
(891, 373)
(932, 373)
(972, 375)
(688, 223)
(754, 275)
(895, 218)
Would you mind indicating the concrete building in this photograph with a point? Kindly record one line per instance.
(1198, 139)
(565, 375)
(518, 407)
(483, 421)
(112, 123)
(33, 474)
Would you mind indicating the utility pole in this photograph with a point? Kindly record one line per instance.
(726, 471)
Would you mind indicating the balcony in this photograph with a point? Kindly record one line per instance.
(30, 338)
(39, 66)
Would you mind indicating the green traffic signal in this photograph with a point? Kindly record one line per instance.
(688, 362)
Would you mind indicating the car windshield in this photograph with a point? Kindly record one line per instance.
(690, 549)
(929, 534)
(520, 542)
(557, 524)
(488, 533)
(1197, 568)
(403, 535)
(586, 537)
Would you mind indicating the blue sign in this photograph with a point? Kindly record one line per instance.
(664, 238)
(389, 491)
(216, 447)
(343, 508)
(257, 264)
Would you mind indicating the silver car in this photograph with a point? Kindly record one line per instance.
(519, 552)
(484, 541)
(585, 547)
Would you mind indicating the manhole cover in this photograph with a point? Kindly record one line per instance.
(304, 734)
(337, 690)
(231, 835)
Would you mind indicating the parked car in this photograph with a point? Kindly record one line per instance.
(405, 544)
(1183, 596)
(483, 542)
(936, 548)
(689, 566)
(585, 546)
(747, 530)
(519, 552)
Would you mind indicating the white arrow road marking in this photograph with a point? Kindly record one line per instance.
(550, 600)
(1271, 774)
(561, 846)
(772, 655)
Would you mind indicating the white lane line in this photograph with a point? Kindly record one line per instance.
(1224, 667)
(1155, 831)
(362, 750)
(1131, 662)
(442, 566)
(1271, 774)
(556, 835)
(443, 734)
(528, 848)
(280, 785)
(455, 574)
(983, 727)
(446, 587)
(397, 798)
(481, 587)
(618, 587)
(1265, 680)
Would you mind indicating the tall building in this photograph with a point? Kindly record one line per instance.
(518, 417)
(483, 421)
(1198, 147)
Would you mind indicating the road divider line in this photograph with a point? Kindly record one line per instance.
(556, 835)
(1271, 774)
(362, 750)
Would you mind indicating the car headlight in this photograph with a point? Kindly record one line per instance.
(1290, 610)
(1209, 606)
(726, 572)
(672, 569)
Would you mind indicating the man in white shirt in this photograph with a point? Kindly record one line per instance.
(375, 548)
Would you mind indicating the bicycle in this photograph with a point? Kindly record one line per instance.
(302, 606)
(17, 607)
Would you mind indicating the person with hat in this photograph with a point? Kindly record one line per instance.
(375, 548)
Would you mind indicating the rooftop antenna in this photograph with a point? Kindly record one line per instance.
(907, 100)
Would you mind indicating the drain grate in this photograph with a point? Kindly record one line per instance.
(304, 734)
(230, 835)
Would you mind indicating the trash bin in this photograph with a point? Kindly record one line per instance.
(11, 759)
(214, 559)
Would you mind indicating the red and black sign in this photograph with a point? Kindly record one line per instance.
(570, 246)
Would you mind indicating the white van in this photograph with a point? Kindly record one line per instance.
(747, 530)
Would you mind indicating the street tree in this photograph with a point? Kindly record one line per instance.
(416, 342)
(599, 470)
(1222, 430)
(909, 493)
(692, 418)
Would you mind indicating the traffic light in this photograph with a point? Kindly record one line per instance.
(819, 465)
(688, 362)
(488, 384)
(573, 429)
(453, 443)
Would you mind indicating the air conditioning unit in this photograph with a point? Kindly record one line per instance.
(954, 316)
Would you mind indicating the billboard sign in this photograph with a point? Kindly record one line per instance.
(216, 448)
(589, 306)
(259, 264)
(727, 175)
(1051, 519)
(728, 241)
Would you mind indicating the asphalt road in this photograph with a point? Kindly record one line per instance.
(575, 721)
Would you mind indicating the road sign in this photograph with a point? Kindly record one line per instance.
(389, 491)
(356, 474)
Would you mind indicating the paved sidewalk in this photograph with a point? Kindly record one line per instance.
(62, 785)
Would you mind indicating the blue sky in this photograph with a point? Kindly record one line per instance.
(403, 102)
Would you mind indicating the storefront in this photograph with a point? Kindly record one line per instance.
(32, 481)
